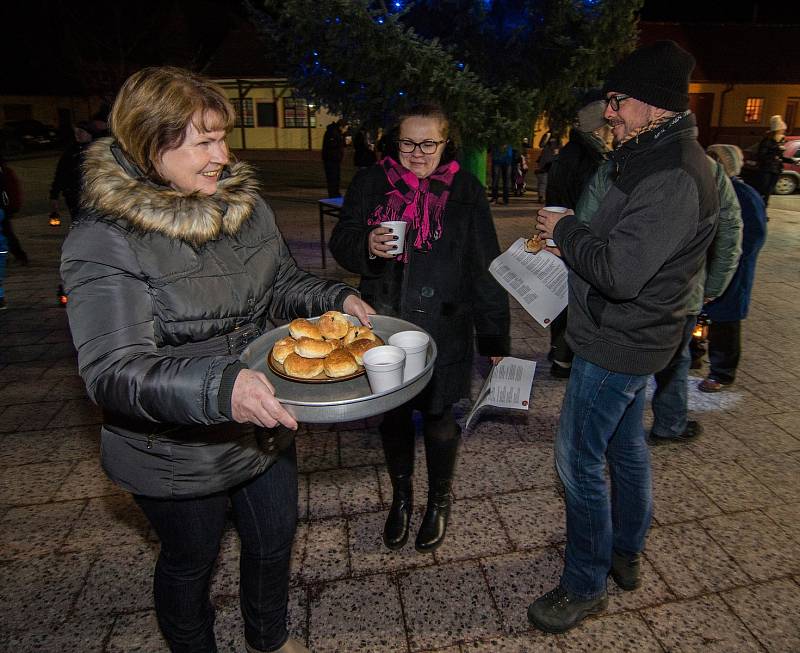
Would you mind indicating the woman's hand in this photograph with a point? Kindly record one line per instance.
(354, 305)
(253, 400)
(381, 241)
(495, 360)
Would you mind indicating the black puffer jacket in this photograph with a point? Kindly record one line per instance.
(448, 291)
(161, 286)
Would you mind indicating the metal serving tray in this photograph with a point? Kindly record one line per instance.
(343, 401)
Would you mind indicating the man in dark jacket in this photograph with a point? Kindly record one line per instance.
(332, 155)
(632, 269)
(569, 175)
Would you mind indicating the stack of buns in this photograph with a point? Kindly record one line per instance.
(330, 348)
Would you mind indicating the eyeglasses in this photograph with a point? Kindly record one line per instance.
(407, 146)
(614, 101)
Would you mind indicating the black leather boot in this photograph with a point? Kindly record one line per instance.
(397, 435)
(442, 438)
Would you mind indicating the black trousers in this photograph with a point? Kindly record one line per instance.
(333, 177)
(559, 349)
(724, 350)
(265, 514)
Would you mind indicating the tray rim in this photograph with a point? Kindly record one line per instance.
(338, 403)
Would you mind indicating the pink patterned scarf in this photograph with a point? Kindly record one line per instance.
(419, 202)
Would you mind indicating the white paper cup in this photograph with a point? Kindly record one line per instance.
(555, 209)
(415, 344)
(398, 228)
(384, 367)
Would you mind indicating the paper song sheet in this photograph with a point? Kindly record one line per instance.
(508, 386)
(537, 281)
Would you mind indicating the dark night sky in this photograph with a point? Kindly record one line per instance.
(46, 41)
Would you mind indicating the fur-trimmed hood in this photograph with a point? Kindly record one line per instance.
(114, 186)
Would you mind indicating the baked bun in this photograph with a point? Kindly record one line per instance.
(339, 362)
(359, 347)
(282, 348)
(301, 328)
(357, 332)
(333, 325)
(302, 368)
(534, 244)
(310, 348)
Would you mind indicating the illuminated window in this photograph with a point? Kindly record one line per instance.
(296, 113)
(244, 112)
(753, 108)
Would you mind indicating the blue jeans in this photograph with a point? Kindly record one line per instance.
(601, 421)
(670, 401)
(190, 530)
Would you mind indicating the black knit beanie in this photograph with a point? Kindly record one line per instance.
(656, 74)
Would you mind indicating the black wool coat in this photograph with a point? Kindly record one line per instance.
(447, 291)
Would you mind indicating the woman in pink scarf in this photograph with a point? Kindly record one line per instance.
(440, 282)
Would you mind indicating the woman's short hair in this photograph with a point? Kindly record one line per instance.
(425, 110)
(155, 106)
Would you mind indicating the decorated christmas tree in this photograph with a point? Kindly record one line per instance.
(494, 66)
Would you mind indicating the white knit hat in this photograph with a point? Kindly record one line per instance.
(776, 124)
(729, 156)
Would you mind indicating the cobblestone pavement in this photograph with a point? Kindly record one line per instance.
(721, 569)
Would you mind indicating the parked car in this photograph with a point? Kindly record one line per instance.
(23, 135)
(789, 181)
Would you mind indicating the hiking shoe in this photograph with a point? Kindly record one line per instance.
(559, 610)
(625, 570)
(692, 431)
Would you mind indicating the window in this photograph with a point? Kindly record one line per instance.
(753, 108)
(244, 112)
(296, 113)
(266, 114)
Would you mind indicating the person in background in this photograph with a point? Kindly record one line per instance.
(363, 150)
(333, 143)
(174, 265)
(569, 175)
(3, 255)
(441, 282)
(770, 159)
(520, 171)
(68, 178)
(11, 203)
(632, 269)
(502, 158)
(549, 152)
(727, 311)
(670, 402)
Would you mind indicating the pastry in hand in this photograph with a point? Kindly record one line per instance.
(302, 368)
(358, 332)
(302, 328)
(282, 348)
(333, 325)
(339, 362)
(310, 348)
(534, 244)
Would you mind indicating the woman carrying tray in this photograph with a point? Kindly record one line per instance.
(174, 264)
(440, 282)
